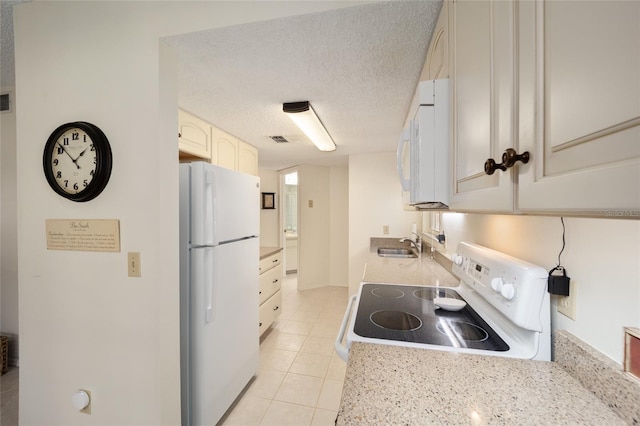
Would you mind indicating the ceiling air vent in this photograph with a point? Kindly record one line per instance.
(5, 104)
(279, 139)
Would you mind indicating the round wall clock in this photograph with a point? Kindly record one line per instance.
(77, 161)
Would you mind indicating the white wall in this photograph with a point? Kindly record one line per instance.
(83, 322)
(8, 229)
(375, 200)
(602, 258)
(313, 227)
(339, 225)
(269, 219)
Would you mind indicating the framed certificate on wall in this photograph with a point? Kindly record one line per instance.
(268, 200)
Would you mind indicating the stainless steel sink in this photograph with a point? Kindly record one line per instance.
(396, 252)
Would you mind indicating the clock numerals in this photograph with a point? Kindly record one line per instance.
(77, 161)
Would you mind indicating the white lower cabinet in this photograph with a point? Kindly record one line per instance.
(270, 296)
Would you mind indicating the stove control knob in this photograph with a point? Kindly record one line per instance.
(457, 259)
(496, 284)
(508, 291)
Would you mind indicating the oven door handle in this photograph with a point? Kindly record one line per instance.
(343, 350)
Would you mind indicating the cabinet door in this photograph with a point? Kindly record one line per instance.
(194, 137)
(247, 158)
(437, 64)
(580, 107)
(226, 149)
(482, 63)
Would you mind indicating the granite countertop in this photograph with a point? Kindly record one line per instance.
(397, 385)
(268, 251)
(387, 384)
(422, 270)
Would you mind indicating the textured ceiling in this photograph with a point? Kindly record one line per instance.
(358, 66)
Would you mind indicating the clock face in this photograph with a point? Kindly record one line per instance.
(77, 161)
(74, 160)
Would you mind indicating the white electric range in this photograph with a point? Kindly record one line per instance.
(500, 308)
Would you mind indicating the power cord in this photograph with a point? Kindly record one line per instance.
(559, 284)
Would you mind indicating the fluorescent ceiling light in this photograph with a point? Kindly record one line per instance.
(306, 119)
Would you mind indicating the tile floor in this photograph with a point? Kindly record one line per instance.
(300, 377)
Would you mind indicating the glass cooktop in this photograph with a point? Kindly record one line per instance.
(407, 313)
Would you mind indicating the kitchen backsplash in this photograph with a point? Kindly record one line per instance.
(599, 374)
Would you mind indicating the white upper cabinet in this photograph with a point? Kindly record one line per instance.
(580, 107)
(225, 148)
(559, 80)
(482, 67)
(437, 63)
(199, 140)
(194, 137)
(247, 158)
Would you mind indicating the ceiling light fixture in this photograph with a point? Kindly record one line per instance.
(306, 119)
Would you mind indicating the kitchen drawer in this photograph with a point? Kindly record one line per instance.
(270, 262)
(269, 311)
(270, 282)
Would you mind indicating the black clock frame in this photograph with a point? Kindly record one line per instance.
(104, 161)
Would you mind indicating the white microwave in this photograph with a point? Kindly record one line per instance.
(429, 178)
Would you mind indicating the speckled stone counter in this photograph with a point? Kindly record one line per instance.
(396, 385)
(268, 251)
(413, 271)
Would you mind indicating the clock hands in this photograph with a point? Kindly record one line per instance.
(75, 161)
(65, 151)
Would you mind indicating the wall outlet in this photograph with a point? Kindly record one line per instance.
(385, 229)
(567, 304)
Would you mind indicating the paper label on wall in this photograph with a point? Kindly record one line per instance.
(83, 234)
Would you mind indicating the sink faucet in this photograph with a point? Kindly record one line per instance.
(417, 244)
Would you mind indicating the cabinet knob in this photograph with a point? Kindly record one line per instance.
(509, 159)
(276, 308)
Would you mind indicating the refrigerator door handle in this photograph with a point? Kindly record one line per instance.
(209, 288)
(209, 206)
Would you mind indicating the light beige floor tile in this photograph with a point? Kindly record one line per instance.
(297, 327)
(337, 368)
(324, 417)
(266, 384)
(311, 305)
(330, 395)
(318, 345)
(305, 316)
(310, 364)
(300, 389)
(248, 411)
(285, 341)
(276, 359)
(282, 414)
(325, 329)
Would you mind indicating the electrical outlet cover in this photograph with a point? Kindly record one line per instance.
(567, 304)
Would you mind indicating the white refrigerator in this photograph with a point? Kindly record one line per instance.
(219, 261)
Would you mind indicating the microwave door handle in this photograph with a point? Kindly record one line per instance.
(404, 139)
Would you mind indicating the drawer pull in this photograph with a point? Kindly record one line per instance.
(274, 261)
(275, 281)
(260, 325)
(276, 308)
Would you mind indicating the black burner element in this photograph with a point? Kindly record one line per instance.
(462, 331)
(396, 320)
(387, 292)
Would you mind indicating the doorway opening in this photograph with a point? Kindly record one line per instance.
(290, 229)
